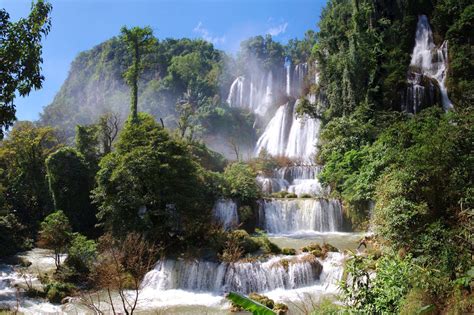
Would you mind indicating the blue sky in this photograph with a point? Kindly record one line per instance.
(78, 25)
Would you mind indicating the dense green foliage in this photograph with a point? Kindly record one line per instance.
(81, 254)
(414, 174)
(241, 180)
(24, 187)
(20, 55)
(150, 184)
(55, 234)
(70, 183)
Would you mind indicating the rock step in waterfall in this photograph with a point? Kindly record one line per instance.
(428, 70)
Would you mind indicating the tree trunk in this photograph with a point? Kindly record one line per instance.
(134, 100)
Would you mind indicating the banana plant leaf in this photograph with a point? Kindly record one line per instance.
(249, 304)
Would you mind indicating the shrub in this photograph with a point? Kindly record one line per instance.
(245, 241)
(329, 248)
(311, 247)
(288, 251)
(267, 246)
(55, 234)
(291, 195)
(81, 254)
(382, 293)
(245, 213)
(241, 182)
(262, 299)
(56, 291)
(279, 194)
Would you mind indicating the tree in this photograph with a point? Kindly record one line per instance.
(55, 234)
(24, 185)
(150, 183)
(138, 41)
(122, 266)
(70, 182)
(20, 57)
(108, 130)
(241, 182)
(87, 143)
(82, 254)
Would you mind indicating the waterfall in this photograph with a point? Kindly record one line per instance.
(295, 179)
(288, 81)
(287, 216)
(256, 93)
(275, 136)
(225, 213)
(427, 61)
(236, 93)
(303, 136)
(289, 135)
(286, 272)
(299, 74)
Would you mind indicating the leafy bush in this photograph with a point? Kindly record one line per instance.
(246, 242)
(377, 286)
(12, 235)
(288, 251)
(81, 254)
(55, 234)
(57, 291)
(280, 194)
(267, 246)
(241, 183)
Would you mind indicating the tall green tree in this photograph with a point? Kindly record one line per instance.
(20, 57)
(139, 41)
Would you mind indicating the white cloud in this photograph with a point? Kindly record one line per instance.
(277, 30)
(206, 35)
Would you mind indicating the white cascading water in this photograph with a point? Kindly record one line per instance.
(302, 139)
(225, 213)
(294, 179)
(275, 136)
(431, 62)
(290, 216)
(289, 135)
(256, 93)
(299, 74)
(287, 272)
